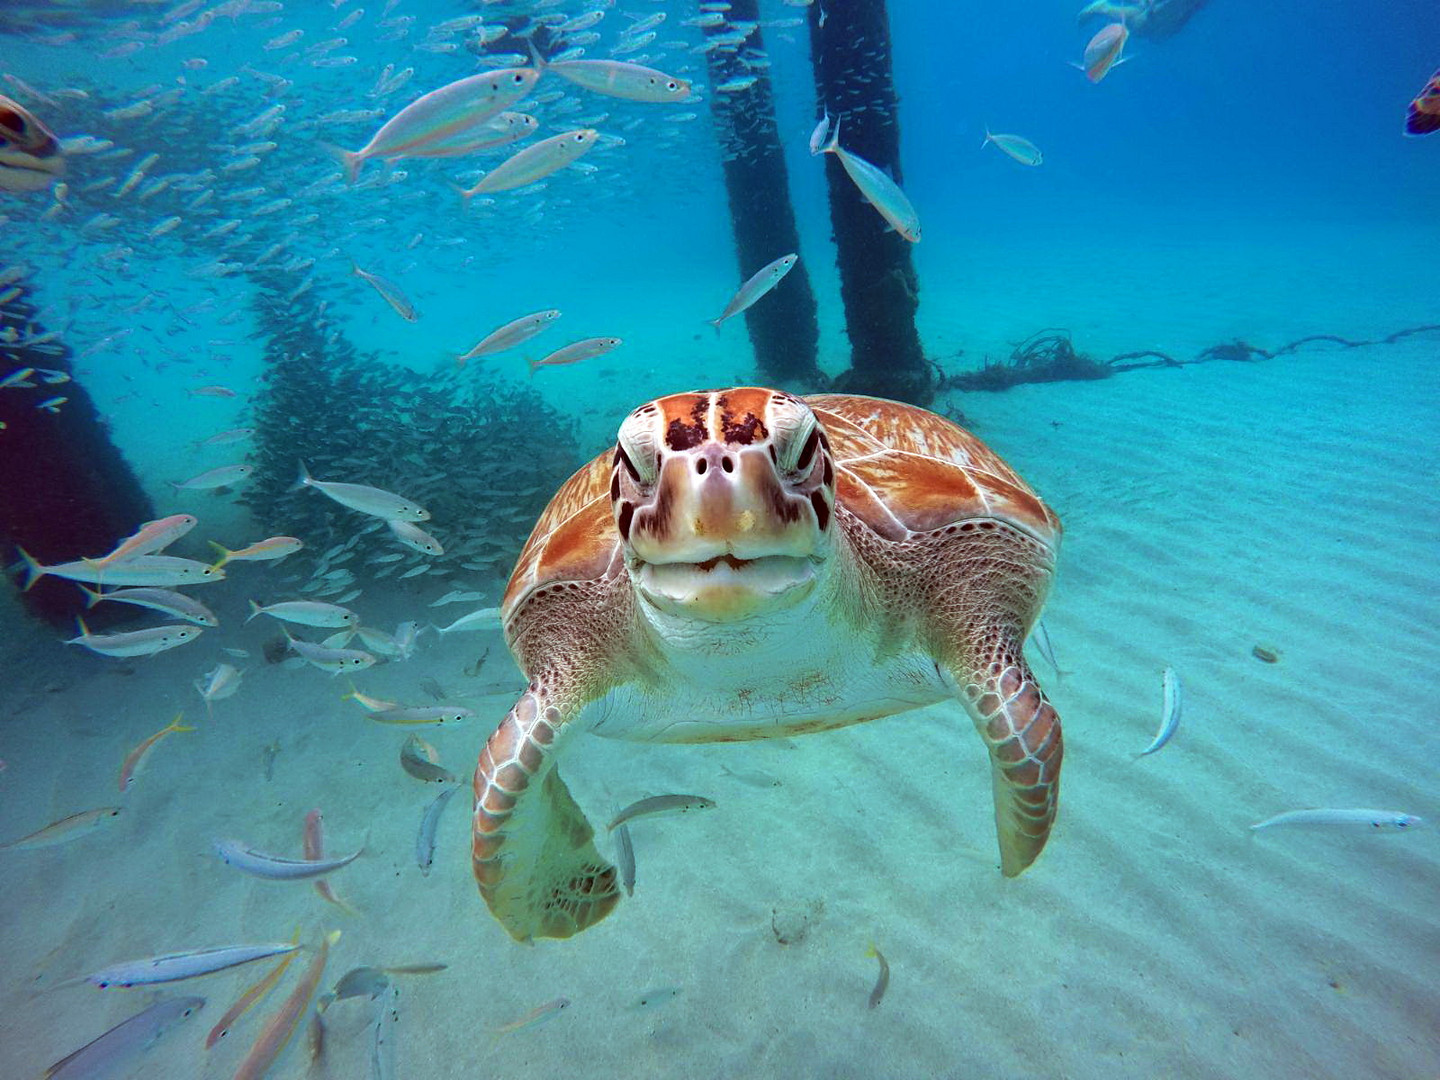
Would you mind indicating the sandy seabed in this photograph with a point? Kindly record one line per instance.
(1290, 503)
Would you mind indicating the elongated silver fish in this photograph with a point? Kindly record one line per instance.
(429, 822)
(413, 760)
(145, 642)
(513, 333)
(183, 965)
(1169, 713)
(117, 1049)
(143, 570)
(389, 292)
(64, 830)
(166, 600)
(535, 162)
(618, 78)
(222, 476)
(364, 498)
(483, 619)
(306, 613)
(879, 190)
(577, 351)
(760, 283)
(660, 804)
(625, 858)
(442, 114)
(275, 867)
(1374, 819)
(1014, 147)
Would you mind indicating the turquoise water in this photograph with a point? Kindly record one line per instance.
(1244, 179)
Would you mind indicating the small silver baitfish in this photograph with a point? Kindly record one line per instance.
(360, 982)
(425, 838)
(1375, 819)
(1170, 712)
(274, 868)
(660, 804)
(183, 965)
(417, 763)
(625, 856)
(64, 830)
(109, 1054)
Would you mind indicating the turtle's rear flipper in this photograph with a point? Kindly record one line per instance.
(532, 849)
(1022, 731)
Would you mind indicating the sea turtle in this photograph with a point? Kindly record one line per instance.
(748, 564)
(30, 157)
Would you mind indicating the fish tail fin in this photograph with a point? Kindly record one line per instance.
(463, 193)
(92, 597)
(716, 324)
(988, 138)
(255, 609)
(176, 725)
(80, 625)
(225, 554)
(534, 365)
(832, 144)
(349, 160)
(303, 480)
(33, 570)
(870, 950)
(535, 56)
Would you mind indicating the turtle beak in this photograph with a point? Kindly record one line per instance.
(722, 539)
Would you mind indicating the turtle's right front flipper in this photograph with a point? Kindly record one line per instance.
(532, 848)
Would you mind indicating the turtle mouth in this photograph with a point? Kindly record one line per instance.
(726, 588)
(20, 171)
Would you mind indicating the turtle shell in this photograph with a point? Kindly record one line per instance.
(899, 470)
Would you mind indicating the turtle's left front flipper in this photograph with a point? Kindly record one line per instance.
(532, 848)
(1022, 732)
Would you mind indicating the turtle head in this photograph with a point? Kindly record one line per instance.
(724, 500)
(30, 157)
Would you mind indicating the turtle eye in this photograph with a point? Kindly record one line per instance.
(807, 452)
(622, 458)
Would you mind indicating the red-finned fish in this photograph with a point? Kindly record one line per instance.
(314, 850)
(535, 162)
(286, 1019)
(1424, 115)
(389, 292)
(153, 536)
(135, 757)
(1103, 51)
(251, 996)
(30, 155)
(441, 114)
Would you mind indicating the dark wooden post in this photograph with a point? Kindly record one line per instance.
(851, 56)
(783, 327)
(65, 490)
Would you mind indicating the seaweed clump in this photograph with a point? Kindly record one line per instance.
(1045, 356)
(484, 461)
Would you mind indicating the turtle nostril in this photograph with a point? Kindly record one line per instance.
(728, 464)
(700, 466)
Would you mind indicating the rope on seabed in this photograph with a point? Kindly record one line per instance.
(1048, 356)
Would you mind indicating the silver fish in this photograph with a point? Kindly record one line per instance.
(1169, 713)
(1375, 819)
(625, 858)
(660, 804)
(879, 190)
(183, 965)
(511, 334)
(171, 603)
(276, 868)
(145, 642)
(114, 1051)
(425, 838)
(362, 497)
(389, 292)
(760, 283)
(1015, 147)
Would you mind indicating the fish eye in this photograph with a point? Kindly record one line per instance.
(517, 77)
(672, 85)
